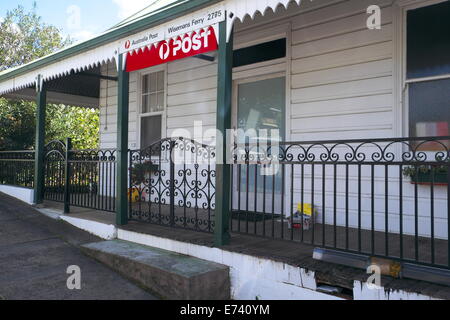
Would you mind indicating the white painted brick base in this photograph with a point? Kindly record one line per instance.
(251, 277)
(102, 230)
(23, 194)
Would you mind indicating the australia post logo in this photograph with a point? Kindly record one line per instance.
(181, 47)
(164, 51)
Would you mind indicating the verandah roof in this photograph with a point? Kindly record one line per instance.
(93, 52)
(105, 47)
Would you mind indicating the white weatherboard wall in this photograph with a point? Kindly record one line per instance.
(192, 96)
(341, 73)
(341, 84)
(341, 76)
(108, 109)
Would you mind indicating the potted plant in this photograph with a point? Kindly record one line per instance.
(142, 170)
(424, 174)
(139, 174)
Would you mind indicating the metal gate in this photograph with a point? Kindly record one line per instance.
(172, 183)
(55, 175)
(80, 178)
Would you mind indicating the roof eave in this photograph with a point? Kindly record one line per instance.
(114, 35)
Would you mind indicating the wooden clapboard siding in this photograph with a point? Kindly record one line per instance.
(342, 74)
(341, 77)
(191, 96)
(108, 104)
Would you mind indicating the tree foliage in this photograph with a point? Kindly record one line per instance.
(24, 37)
(80, 124)
(17, 125)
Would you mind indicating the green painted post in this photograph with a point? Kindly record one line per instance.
(67, 175)
(122, 144)
(41, 102)
(223, 170)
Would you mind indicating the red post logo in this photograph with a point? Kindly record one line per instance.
(164, 51)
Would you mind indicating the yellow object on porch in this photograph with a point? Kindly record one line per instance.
(134, 194)
(307, 209)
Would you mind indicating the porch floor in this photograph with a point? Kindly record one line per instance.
(291, 252)
(351, 239)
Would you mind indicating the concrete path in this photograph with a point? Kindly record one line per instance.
(35, 252)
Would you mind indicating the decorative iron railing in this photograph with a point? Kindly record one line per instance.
(381, 197)
(89, 174)
(172, 183)
(55, 164)
(17, 168)
(93, 179)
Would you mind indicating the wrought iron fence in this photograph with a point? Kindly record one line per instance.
(17, 168)
(172, 183)
(55, 163)
(88, 174)
(381, 197)
(93, 179)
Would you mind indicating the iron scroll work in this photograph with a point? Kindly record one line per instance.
(54, 163)
(435, 150)
(172, 183)
(379, 197)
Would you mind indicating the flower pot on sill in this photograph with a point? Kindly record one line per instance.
(141, 172)
(153, 168)
(440, 178)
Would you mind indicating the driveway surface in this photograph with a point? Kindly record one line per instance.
(35, 252)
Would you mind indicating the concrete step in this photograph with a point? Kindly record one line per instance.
(167, 274)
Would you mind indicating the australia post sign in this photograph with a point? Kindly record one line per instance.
(185, 37)
(188, 45)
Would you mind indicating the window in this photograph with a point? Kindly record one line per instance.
(428, 71)
(152, 108)
(150, 130)
(153, 92)
(260, 53)
(428, 41)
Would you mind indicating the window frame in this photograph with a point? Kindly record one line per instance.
(405, 6)
(139, 93)
(258, 34)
